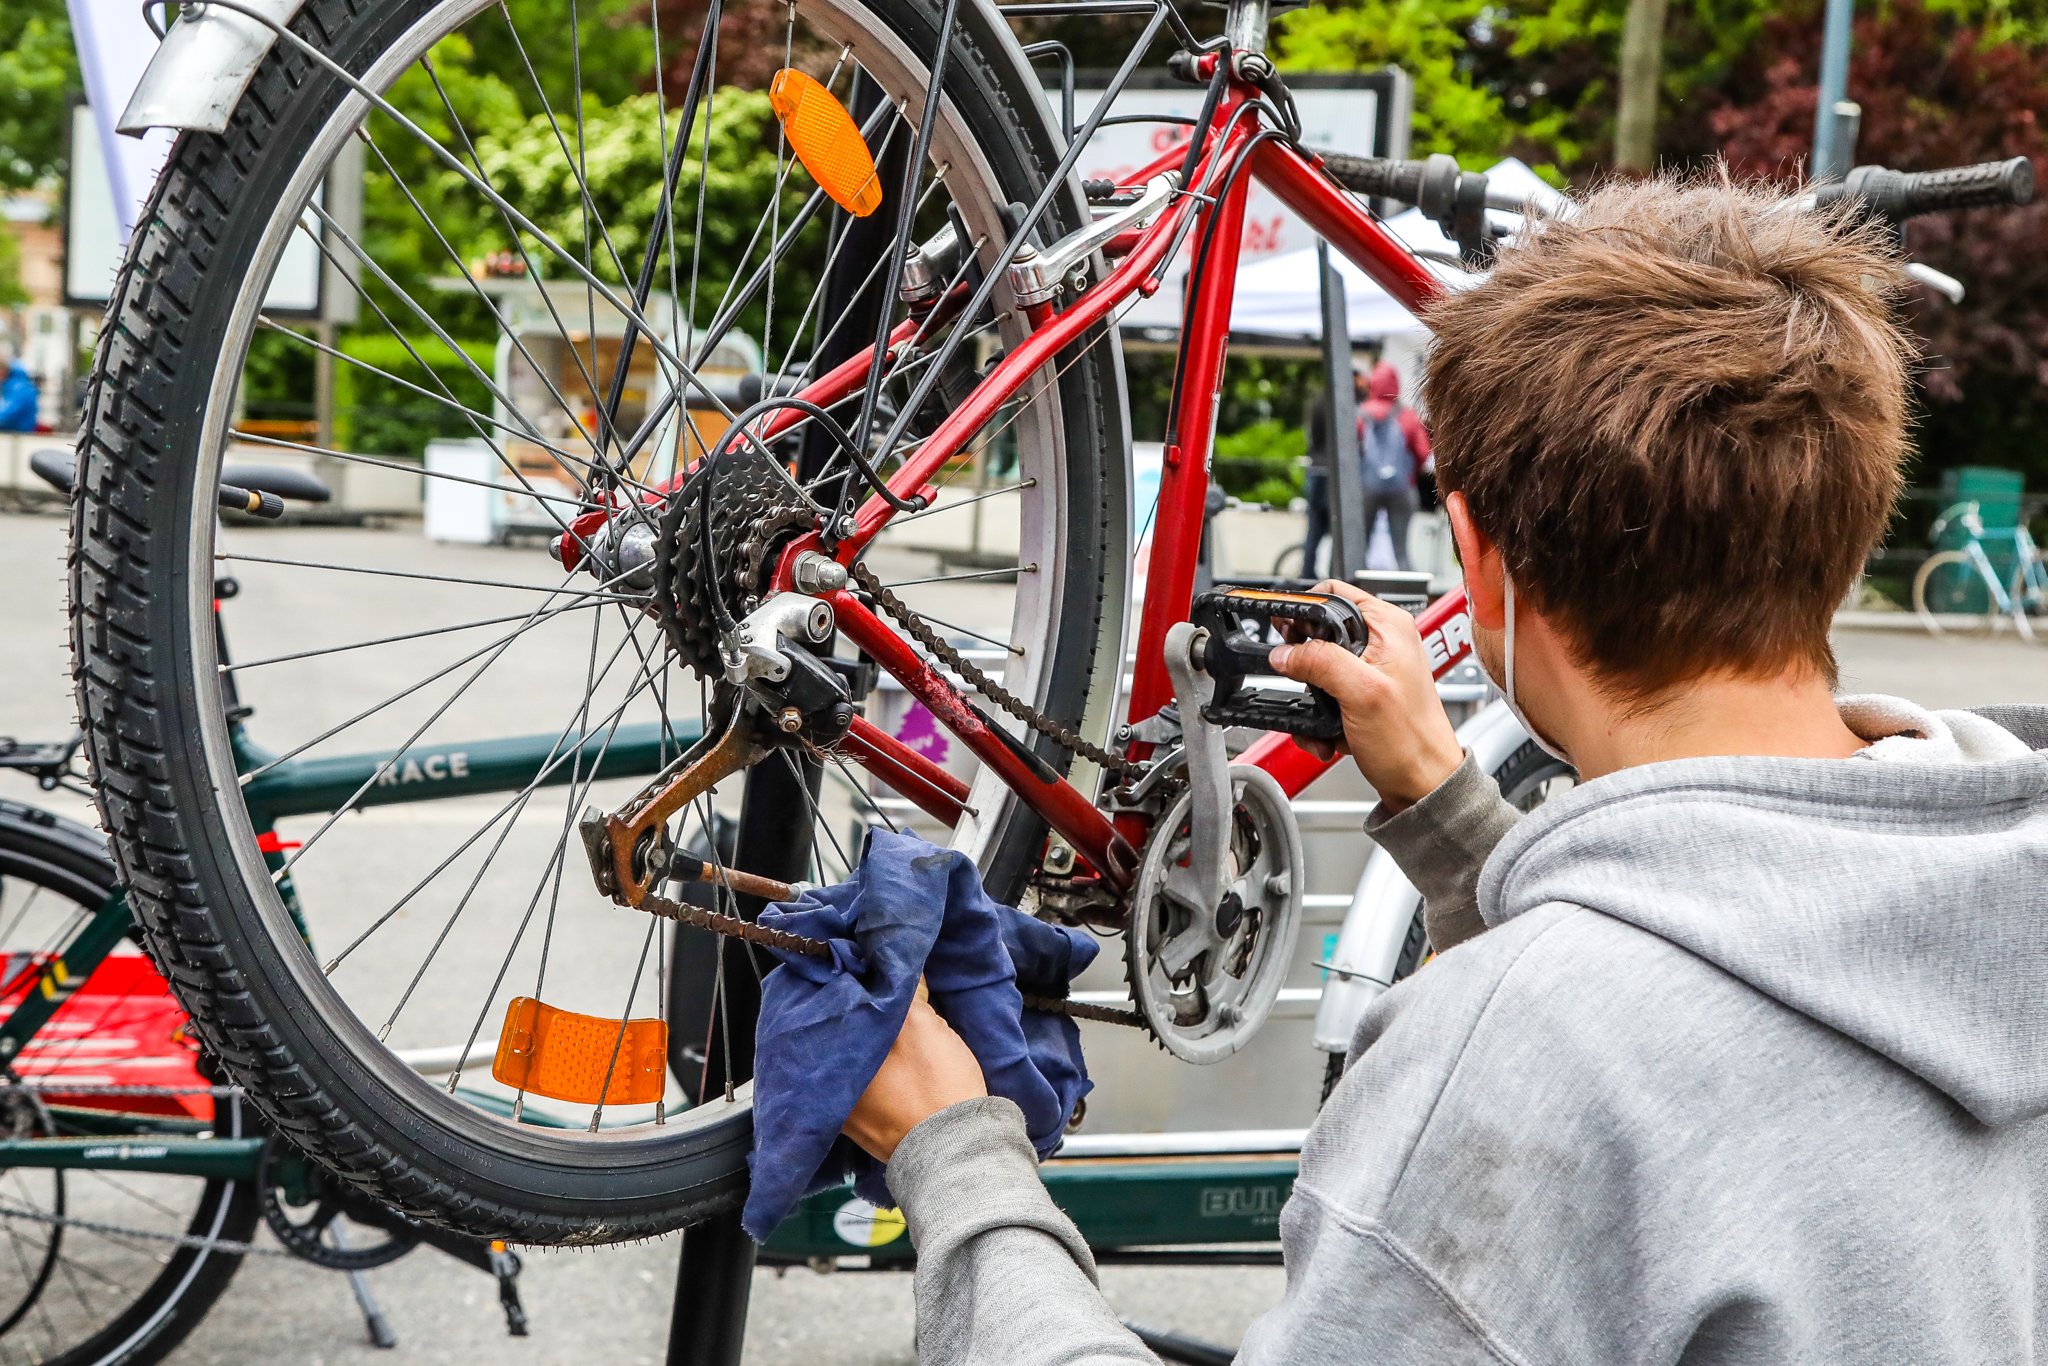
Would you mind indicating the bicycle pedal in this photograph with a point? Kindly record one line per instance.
(1241, 626)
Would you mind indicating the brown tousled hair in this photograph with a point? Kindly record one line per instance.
(1681, 415)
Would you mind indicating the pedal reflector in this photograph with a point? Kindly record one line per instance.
(826, 140)
(565, 1056)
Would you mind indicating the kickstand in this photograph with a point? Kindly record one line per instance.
(381, 1335)
(505, 1267)
(493, 1257)
(1174, 1347)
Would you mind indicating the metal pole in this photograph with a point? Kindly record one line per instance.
(1348, 530)
(715, 1274)
(1830, 152)
(714, 1277)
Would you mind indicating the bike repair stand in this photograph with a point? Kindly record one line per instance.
(715, 1269)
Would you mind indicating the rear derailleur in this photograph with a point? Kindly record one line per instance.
(779, 690)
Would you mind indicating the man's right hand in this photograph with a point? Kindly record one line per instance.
(1394, 723)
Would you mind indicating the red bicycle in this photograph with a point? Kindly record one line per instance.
(804, 379)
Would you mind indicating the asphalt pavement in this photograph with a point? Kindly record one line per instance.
(612, 1305)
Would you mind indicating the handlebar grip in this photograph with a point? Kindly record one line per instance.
(1377, 176)
(1899, 195)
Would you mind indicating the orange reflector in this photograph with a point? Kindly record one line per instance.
(827, 141)
(565, 1056)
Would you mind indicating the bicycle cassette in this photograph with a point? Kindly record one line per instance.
(1206, 974)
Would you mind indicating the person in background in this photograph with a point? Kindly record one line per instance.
(1393, 448)
(1316, 491)
(18, 398)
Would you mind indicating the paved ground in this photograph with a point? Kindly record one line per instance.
(612, 1305)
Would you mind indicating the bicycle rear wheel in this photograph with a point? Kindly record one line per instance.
(1950, 595)
(428, 927)
(97, 1267)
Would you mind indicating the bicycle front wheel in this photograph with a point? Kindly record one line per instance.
(520, 296)
(1527, 778)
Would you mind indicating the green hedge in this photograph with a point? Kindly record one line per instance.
(376, 416)
(1261, 463)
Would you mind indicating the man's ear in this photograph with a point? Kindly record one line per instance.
(1484, 582)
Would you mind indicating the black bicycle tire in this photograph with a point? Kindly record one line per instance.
(72, 860)
(1529, 764)
(132, 643)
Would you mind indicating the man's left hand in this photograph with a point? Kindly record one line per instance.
(929, 1068)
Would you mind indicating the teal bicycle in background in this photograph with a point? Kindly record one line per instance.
(132, 1182)
(1951, 583)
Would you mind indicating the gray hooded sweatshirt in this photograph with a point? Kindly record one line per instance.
(1750, 1065)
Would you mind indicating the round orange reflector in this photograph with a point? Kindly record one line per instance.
(827, 141)
(565, 1056)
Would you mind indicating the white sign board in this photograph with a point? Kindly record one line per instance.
(96, 234)
(1365, 115)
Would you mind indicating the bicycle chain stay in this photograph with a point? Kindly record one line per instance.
(1064, 736)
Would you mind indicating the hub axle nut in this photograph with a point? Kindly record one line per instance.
(815, 573)
(789, 720)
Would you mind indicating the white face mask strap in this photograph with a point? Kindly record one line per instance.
(1508, 644)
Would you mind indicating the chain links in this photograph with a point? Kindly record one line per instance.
(684, 913)
(54, 1088)
(229, 1247)
(1063, 736)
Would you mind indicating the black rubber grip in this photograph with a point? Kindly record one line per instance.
(1378, 176)
(1898, 195)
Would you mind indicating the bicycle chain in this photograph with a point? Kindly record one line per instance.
(9, 1088)
(228, 1246)
(1063, 736)
(731, 925)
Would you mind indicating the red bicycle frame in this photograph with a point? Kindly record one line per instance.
(1227, 165)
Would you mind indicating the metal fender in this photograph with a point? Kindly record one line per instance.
(202, 67)
(1383, 907)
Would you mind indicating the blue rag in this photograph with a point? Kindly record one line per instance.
(911, 908)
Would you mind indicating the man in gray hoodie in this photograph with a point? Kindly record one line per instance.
(1738, 1052)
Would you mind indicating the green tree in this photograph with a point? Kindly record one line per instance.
(1432, 40)
(12, 295)
(1642, 70)
(622, 153)
(38, 76)
(612, 57)
(412, 199)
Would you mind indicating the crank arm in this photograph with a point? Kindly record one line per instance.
(627, 855)
(1207, 873)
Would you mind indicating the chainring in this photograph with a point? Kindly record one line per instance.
(1206, 978)
(304, 1236)
(753, 513)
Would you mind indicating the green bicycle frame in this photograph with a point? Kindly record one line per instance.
(283, 789)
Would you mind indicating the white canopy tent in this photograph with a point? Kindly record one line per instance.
(1281, 297)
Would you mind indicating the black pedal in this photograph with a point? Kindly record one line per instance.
(1243, 627)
